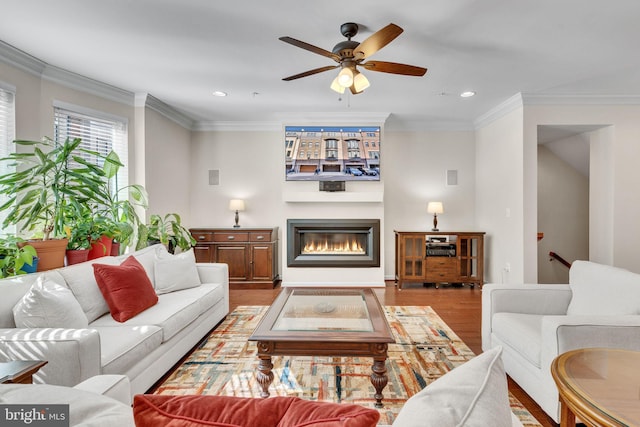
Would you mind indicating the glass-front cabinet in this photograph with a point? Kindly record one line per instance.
(439, 257)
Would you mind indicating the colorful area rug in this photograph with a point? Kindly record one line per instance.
(426, 348)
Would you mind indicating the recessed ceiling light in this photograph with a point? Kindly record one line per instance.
(219, 93)
(467, 94)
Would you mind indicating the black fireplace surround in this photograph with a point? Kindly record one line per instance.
(340, 243)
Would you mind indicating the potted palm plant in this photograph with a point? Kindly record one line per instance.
(48, 176)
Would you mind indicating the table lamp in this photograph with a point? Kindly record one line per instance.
(236, 205)
(435, 208)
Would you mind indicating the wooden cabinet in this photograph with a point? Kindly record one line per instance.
(439, 257)
(250, 253)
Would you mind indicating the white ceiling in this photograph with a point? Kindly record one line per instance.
(180, 51)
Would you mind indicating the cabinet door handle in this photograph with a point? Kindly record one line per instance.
(260, 238)
(200, 237)
(231, 237)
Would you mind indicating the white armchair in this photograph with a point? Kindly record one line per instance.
(600, 307)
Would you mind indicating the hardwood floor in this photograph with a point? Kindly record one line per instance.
(459, 307)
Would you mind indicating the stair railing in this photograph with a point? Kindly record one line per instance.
(558, 258)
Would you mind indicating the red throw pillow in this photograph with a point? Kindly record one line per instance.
(126, 288)
(150, 410)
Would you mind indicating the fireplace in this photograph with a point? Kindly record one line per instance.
(333, 243)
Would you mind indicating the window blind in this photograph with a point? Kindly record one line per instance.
(7, 135)
(97, 134)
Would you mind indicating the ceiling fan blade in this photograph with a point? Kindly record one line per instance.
(377, 41)
(394, 68)
(310, 48)
(311, 72)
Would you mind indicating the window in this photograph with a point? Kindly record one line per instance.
(98, 132)
(7, 135)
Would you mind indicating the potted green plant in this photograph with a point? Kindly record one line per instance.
(120, 205)
(48, 176)
(15, 255)
(78, 223)
(167, 230)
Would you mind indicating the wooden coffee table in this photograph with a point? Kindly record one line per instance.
(19, 371)
(600, 386)
(324, 322)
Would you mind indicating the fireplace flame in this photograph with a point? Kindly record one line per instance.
(326, 247)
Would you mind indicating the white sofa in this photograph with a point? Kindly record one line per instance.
(143, 348)
(100, 401)
(600, 307)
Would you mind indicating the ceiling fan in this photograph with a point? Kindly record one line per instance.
(350, 54)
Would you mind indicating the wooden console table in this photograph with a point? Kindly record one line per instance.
(250, 253)
(19, 371)
(421, 257)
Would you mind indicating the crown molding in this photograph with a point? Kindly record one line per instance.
(331, 118)
(19, 59)
(237, 126)
(87, 85)
(572, 99)
(500, 110)
(150, 101)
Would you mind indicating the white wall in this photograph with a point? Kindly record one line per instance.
(618, 196)
(414, 167)
(563, 214)
(167, 165)
(499, 197)
(413, 171)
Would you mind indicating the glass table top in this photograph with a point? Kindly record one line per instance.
(608, 381)
(324, 310)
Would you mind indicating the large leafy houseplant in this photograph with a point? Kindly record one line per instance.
(167, 230)
(48, 176)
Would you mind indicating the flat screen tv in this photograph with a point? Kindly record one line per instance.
(332, 153)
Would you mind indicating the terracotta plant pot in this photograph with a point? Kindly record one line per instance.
(50, 253)
(76, 256)
(100, 248)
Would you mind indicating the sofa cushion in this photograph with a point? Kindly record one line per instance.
(603, 290)
(126, 288)
(177, 411)
(174, 311)
(147, 258)
(81, 281)
(49, 305)
(522, 332)
(121, 347)
(175, 272)
(473, 394)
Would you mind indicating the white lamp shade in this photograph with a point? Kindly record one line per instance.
(345, 77)
(360, 82)
(236, 205)
(435, 208)
(336, 86)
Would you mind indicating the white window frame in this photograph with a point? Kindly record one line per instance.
(99, 131)
(7, 136)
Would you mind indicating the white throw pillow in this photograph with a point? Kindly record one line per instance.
(175, 272)
(600, 289)
(49, 305)
(82, 282)
(473, 394)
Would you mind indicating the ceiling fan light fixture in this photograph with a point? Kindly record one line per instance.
(360, 82)
(345, 77)
(336, 86)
